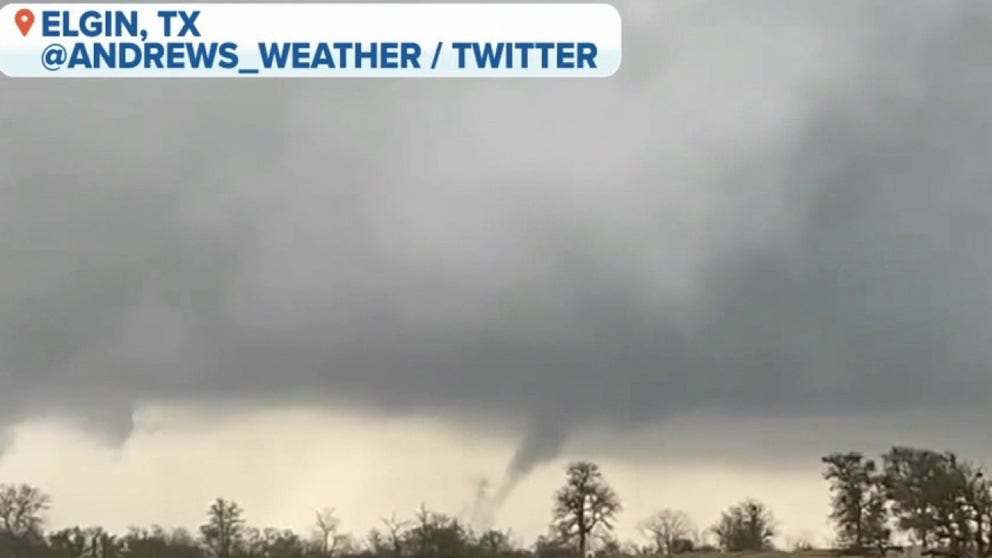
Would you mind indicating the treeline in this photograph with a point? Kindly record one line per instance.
(927, 498)
(933, 499)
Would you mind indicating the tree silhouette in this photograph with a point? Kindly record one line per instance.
(394, 529)
(436, 535)
(747, 526)
(665, 528)
(944, 502)
(224, 531)
(327, 532)
(936, 497)
(585, 505)
(21, 510)
(495, 542)
(858, 502)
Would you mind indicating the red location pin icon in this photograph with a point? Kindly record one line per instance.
(24, 19)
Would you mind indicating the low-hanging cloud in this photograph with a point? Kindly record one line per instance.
(775, 208)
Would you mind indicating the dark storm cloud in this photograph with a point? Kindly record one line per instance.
(774, 209)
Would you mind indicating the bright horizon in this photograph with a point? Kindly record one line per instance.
(283, 466)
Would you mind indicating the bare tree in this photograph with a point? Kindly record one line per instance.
(436, 534)
(22, 509)
(585, 505)
(327, 531)
(224, 531)
(666, 527)
(746, 526)
(394, 530)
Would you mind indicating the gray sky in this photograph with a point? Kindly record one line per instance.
(772, 219)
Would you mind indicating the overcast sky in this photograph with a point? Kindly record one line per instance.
(764, 238)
